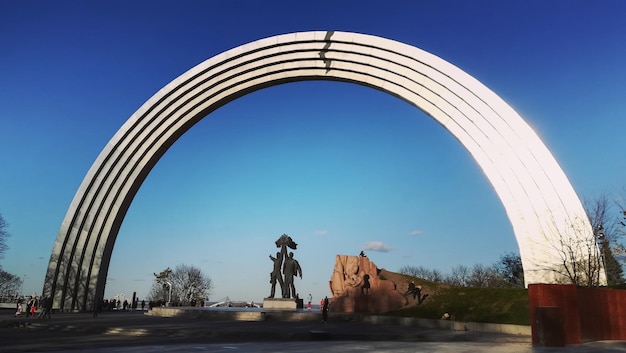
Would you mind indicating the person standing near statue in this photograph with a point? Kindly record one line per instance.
(291, 268)
(276, 274)
(325, 310)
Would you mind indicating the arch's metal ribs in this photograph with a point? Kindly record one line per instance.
(538, 198)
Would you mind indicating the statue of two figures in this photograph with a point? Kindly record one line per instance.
(285, 268)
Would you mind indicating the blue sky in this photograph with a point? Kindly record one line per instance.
(338, 167)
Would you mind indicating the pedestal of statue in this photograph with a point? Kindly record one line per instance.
(279, 303)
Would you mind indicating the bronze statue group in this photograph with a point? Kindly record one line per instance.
(285, 268)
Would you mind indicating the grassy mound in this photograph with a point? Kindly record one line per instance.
(490, 305)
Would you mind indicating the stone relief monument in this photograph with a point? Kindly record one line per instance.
(356, 287)
(285, 268)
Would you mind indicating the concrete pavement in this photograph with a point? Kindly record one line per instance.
(130, 332)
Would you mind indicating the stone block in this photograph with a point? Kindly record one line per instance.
(279, 303)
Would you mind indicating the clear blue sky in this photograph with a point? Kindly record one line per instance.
(338, 167)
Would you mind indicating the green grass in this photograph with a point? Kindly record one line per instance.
(492, 305)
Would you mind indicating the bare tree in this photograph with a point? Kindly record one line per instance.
(9, 284)
(620, 203)
(459, 276)
(481, 276)
(423, 273)
(510, 268)
(414, 271)
(581, 262)
(4, 235)
(188, 284)
(605, 225)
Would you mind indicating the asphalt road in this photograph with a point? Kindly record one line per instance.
(131, 332)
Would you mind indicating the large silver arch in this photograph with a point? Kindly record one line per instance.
(538, 198)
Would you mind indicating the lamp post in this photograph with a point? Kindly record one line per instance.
(169, 298)
(599, 233)
(22, 288)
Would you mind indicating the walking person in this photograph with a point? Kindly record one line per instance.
(18, 309)
(411, 290)
(43, 303)
(46, 306)
(325, 310)
(96, 306)
(29, 303)
(33, 308)
(309, 305)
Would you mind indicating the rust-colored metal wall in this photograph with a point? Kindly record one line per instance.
(587, 314)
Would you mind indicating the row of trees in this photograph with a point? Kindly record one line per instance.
(607, 217)
(507, 272)
(186, 285)
(608, 221)
(9, 283)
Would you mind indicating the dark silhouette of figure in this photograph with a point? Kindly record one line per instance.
(18, 308)
(325, 310)
(276, 275)
(42, 304)
(143, 304)
(291, 268)
(410, 290)
(29, 303)
(362, 254)
(33, 307)
(96, 306)
(420, 297)
(285, 241)
(365, 289)
(47, 307)
(416, 291)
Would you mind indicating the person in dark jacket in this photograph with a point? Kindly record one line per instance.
(325, 310)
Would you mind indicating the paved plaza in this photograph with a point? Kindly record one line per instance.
(130, 332)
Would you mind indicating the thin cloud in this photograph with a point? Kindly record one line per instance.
(377, 246)
(321, 233)
(416, 233)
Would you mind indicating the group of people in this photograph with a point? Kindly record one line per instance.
(45, 305)
(289, 267)
(100, 305)
(416, 292)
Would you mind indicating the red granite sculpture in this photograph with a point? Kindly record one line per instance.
(348, 284)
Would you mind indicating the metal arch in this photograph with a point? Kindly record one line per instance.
(539, 200)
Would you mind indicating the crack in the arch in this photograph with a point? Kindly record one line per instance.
(325, 50)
